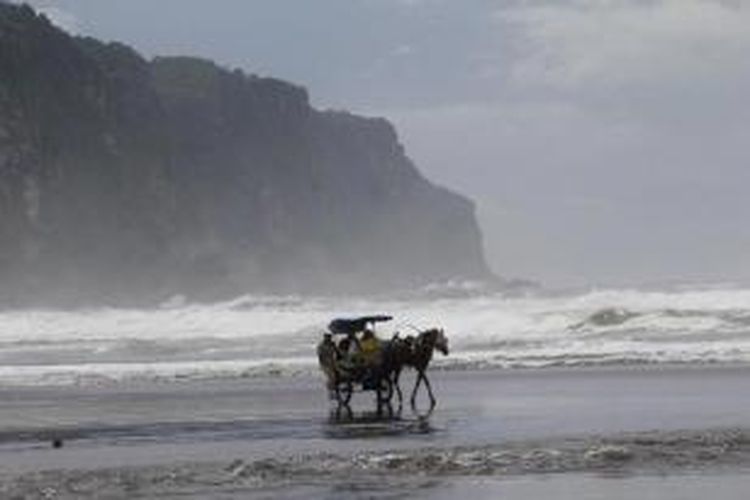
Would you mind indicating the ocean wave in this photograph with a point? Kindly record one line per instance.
(115, 373)
(256, 335)
(665, 451)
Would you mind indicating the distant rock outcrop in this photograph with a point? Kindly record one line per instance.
(123, 178)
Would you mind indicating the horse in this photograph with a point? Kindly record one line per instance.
(415, 352)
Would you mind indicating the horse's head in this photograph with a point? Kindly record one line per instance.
(441, 344)
(438, 339)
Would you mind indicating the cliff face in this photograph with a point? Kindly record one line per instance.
(121, 177)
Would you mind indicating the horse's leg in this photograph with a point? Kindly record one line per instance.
(420, 375)
(396, 376)
(344, 408)
(433, 402)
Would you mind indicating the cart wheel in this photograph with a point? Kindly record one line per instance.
(384, 390)
(344, 392)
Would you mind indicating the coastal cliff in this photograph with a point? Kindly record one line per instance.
(126, 180)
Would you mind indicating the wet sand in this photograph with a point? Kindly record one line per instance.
(558, 487)
(493, 432)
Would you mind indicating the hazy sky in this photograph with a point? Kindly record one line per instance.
(604, 141)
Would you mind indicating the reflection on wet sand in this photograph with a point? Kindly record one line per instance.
(344, 423)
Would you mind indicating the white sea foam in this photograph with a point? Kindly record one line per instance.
(254, 335)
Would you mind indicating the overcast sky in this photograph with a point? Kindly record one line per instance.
(604, 141)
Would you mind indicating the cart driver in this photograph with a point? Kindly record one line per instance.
(327, 354)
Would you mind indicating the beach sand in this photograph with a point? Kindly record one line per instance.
(645, 432)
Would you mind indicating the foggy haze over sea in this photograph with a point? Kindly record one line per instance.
(604, 142)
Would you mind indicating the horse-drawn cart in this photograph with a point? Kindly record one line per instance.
(352, 363)
(347, 364)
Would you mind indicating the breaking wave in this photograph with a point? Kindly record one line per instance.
(257, 336)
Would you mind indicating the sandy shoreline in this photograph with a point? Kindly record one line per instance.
(269, 433)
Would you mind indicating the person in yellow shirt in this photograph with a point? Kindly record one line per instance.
(370, 348)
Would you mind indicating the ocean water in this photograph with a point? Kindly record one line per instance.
(257, 335)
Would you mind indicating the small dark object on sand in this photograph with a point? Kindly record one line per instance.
(57, 443)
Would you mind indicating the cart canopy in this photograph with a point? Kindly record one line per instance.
(349, 326)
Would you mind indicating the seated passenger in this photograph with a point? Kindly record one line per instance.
(345, 358)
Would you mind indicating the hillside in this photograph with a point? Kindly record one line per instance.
(125, 180)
